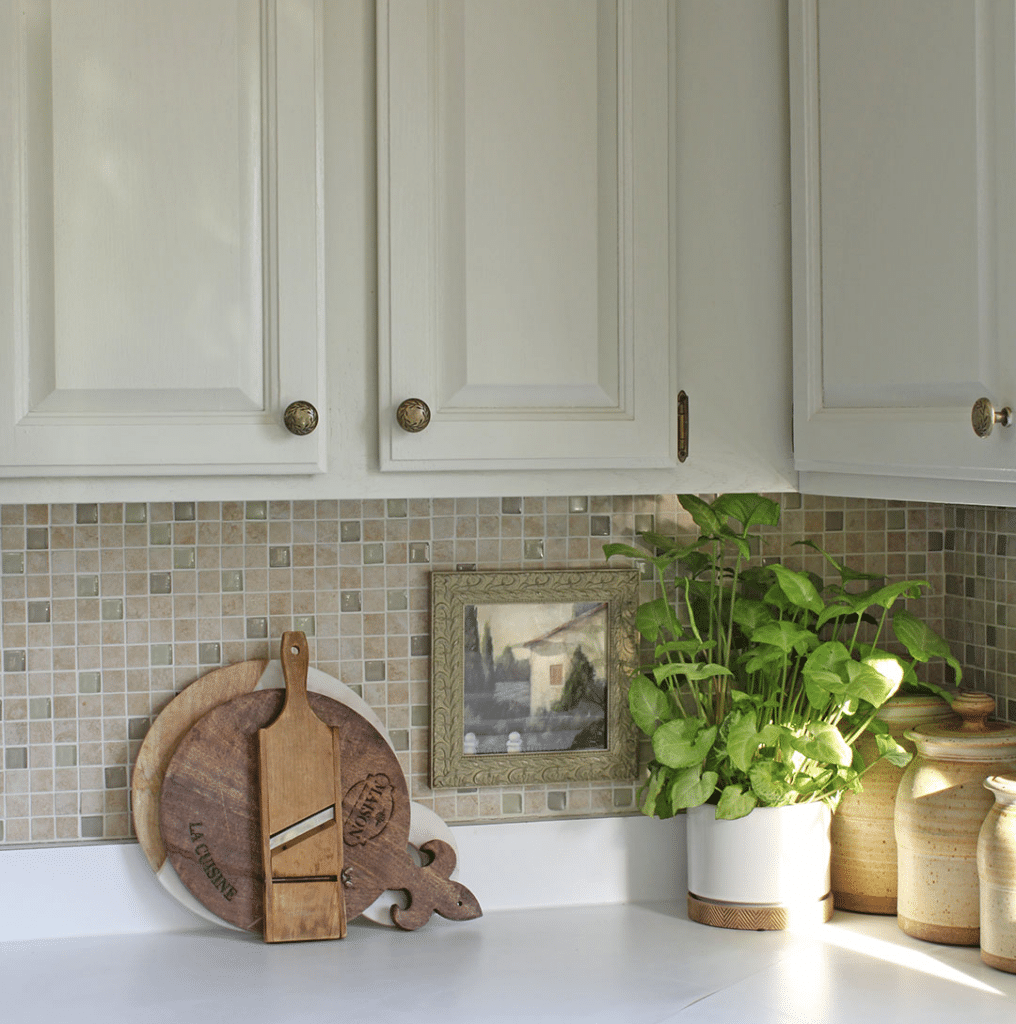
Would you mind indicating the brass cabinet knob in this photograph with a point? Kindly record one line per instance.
(984, 416)
(413, 415)
(300, 418)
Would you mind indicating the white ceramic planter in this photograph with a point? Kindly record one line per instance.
(767, 870)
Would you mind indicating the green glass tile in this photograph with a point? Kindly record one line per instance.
(135, 512)
(40, 707)
(89, 682)
(160, 583)
(88, 585)
(65, 755)
(161, 655)
(209, 653)
(37, 538)
(38, 611)
(373, 554)
(279, 557)
(232, 581)
(160, 533)
(257, 628)
(184, 558)
(511, 803)
(13, 563)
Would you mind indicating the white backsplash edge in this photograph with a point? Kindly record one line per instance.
(108, 888)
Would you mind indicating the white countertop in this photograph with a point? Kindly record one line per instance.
(630, 963)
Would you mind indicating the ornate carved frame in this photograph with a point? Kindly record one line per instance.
(451, 592)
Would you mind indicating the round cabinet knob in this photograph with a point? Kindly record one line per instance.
(300, 418)
(413, 415)
(984, 416)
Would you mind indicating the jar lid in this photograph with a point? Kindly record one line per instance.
(971, 737)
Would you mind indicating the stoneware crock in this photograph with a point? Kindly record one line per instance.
(940, 806)
(863, 842)
(996, 874)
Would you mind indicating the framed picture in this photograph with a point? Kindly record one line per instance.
(530, 675)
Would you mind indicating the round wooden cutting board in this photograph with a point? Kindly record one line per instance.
(210, 816)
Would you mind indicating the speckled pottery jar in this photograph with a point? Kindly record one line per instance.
(863, 841)
(996, 873)
(940, 806)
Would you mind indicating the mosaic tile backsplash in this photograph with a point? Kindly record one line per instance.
(109, 610)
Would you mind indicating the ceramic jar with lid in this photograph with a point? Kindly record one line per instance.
(996, 873)
(863, 843)
(940, 806)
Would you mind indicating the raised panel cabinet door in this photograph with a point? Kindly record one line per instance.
(159, 176)
(904, 243)
(526, 233)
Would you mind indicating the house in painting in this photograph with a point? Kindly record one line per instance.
(550, 655)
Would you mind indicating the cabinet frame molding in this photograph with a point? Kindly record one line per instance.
(632, 411)
(53, 431)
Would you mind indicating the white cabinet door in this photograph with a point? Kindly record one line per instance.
(159, 176)
(904, 238)
(526, 231)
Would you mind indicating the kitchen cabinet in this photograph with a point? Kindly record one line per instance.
(710, 315)
(525, 233)
(904, 246)
(160, 178)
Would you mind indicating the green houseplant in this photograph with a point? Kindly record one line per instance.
(761, 680)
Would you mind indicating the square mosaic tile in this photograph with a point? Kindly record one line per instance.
(107, 611)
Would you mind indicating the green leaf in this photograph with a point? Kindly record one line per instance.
(649, 794)
(885, 597)
(649, 705)
(786, 636)
(609, 550)
(654, 617)
(869, 682)
(823, 742)
(682, 743)
(692, 671)
(691, 787)
(769, 784)
(893, 752)
(742, 740)
(691, 647)
(798, 589)
(847, 575)
(751, 615)
(705, 518)
(748, 509)
(921, 641)
(735, 802)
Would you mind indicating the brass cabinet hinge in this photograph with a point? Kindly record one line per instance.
(682, 426)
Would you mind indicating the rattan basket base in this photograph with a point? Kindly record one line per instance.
(759, 917)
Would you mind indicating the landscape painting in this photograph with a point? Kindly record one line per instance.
(534, 677)
(529, 676)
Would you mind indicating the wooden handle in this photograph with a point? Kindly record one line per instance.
(295, 663)
(300, 782)
(431, 890)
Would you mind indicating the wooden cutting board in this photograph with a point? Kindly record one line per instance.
(210, 818)
(164, 736)
(172, 723)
